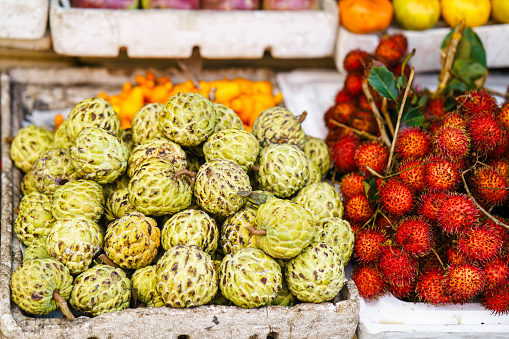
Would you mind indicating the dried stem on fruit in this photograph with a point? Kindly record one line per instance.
(448, 55)
(63, 305)
(108, 261)
(255, 231)
(356, 131)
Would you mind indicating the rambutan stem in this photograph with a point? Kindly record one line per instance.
(385, 217)
(255, 231)
(406, 169)
(448, 55)
(375, 173)
(356, 131)
(400, 114)
(438, 257)
(63, 305)
(387, 116)
(376, 112)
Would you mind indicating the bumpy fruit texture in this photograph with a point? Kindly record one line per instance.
(485, 132)
(464, 281)
(413, 142)
(154, 189)
(351, 185)
(74, 242)
(187, 119)
(503, 116)
(372, 154)
(412, 173)
(402, 291)
(389, 50)
(28, 183)
(145, 124)
(497, 302)
(216, 186)
(457, 213)
(289, 228)
(121, 182)
(343, 153)
(285, 296)
(497, 274)
(36, 250)
(479, 244)
(126, 135)
(236, 145)
(315, 176)
(132, 241)
(118, 204)
(250, 278)
(322, 200)
(397, 266)
(226, 119)
(34, 219)
(283, 169)
(144, 281)
(478, 102)
(53, 168)
(101, 289)
(82, 197)
(353, 84)
(316, 150)
(369, 281)
(92, 112)
(234, 233)
(415, 235)
(315, 275)
(430, 203)
(489, 186)
(354, 61)
(431, 287)
(34, 281)
(278, 125)
(28, 145)
(341, 112)
(396, 197)
(190, 227)
(186, 277)
(452, 142)
(435, 106)
(441, 174)
(157, 147)
(99, 156)
(337, 234)
(368, 245)
(358, 209)
(61, 140)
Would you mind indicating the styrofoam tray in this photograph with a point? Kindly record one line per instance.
(171, 33)
(427, 44)
(26, 19)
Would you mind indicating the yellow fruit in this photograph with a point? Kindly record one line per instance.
(500, 10)
(473, 12)
(417, 15)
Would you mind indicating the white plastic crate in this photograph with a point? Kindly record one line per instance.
(23, 19)
(168, 33)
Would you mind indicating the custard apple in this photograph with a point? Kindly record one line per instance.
(250, 278)
(121, 182)
(283, 169)
(61, 140)
(28, 145)
(144, 281)
(118, 204)
(82, 197)
(314, 173)
(145, 124)
(186, 277)
(321, 199)
(99, 156)
(278, 125)
(227, 118)
(285, 296)
(36, 250)
(187, 119)
(190, 227)
(101, 289)
(126, 135)
(34, 282)
(92, 112)
(216, 186)
(219, 298)
(28, 183)
(236, 145)
(337, 234)
(317, 151)
(132, 241)
(53, 169)
(234, 233)
(34, 219)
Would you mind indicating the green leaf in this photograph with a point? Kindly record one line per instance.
(382, 80)
(450, 103)
(371, 189)
(469, 70)
(414, 117)
(477, 52)
(446, 39)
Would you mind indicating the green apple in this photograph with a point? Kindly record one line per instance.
(417, 15)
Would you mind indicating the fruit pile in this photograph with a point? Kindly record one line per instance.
(429, 221)
(187, 208)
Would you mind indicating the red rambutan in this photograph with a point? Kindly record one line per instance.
(389, 50)
(386, 224)
(358, 209)
(457, 213)
(413, 142)
(430, 287)
(500, 150)
(353, 84)
(342, 112)
(503, 116)
(501, 165)
(436, 107)
(354, 61)
(441, 174)
(343, 153)
(411, 172)
(333, 136)
(356, 227)
(479, 244)
(485, 132)
(451, 142)
(364, 121)
(464, 281)
(352, 184)
(401, 41)
(364, 103)
(342, 96)
(478, 102)
(498, 301)
(396, 197)
(429, 204)
(368, 245)
(489, 186)
(397, 266)
(372, 154)
(497, 274)
(369, 281)
(455, 120)
(402, 291)
(454, 257)
(415, 235)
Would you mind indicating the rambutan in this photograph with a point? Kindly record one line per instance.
(355, 60)
(364, 103)
(430, 287)
(368, 245)
(397, 266)
(364, 121)
(500, 231)
(500, 150)
(372, 154)
(396, 197)
(478, 102)
(455, 120)
(388, 50)
(342, 96)
(342, 112)
(497, 274)
(429, 204)
(386, 224)
(356, 227)
(343, 153)
(498, 301)
(503, 116)
(411, 172)
(353, 84)
(451, 142)
(457, 213)
(352, 184)
(479, 244)
(369, 281)
(358, 209)
(398, 69)
(485, 132)
(454, 257)
(441, 174)
(464, 281)
(402, 291)
(413, 142)
(401, 41)
(501, 165)
(435, 106)
(415, 235)
(489, 186)
(333, 136)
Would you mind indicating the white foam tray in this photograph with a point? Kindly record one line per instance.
(23, 19)
(427, 44)
(167, 33)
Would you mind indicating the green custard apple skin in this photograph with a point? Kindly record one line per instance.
(186, 277)
(28, 144)
(28, 183)
(314, 173)
(317, 151)
(52, 169)
(132, 241)
(285, 296)
(36, 250)
(283, 169)
(81, 197)
(227, 118)
(126, 135)
(321, 199)
(250, 278)
(99, 156)
(219, 298)
(144, 280)
(289, 228)
(92, 112)
(61, 140)
(236, 145)
(145, 124)
(278, 125)
(314, 275)
(187, 119)
(34, 281)
(157, 147)
(34, 219)
(190, 227)
(234, 233)
(101, 289)
(155, 190)
(74, 242)
(216, 185)
(118, 204)
(121, 182)
(336, 233)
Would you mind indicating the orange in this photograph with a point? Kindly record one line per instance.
(365, 16)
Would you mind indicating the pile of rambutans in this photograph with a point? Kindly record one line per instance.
(435, 229)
